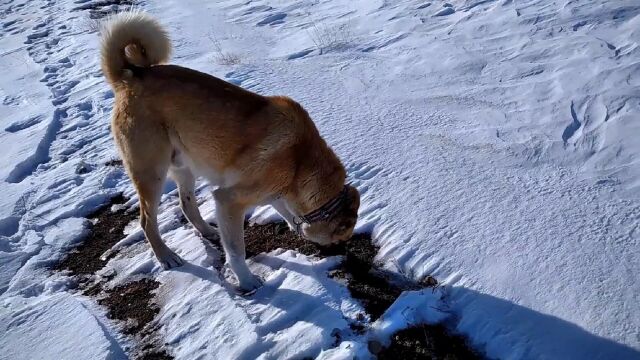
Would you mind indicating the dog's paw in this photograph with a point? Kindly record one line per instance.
(170, 260)
(249, 286)
(213, 237)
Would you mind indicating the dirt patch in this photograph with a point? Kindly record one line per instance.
(132, 303)
(102, 8)
(374, 288)
(106, 231)
(155, 355)
(427, 342)
(374, 292)
(114, 163)
(271, 236)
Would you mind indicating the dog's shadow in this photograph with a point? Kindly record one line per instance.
(547, 334)
(531, 334)
(286, 307)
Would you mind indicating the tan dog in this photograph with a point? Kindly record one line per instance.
(255, 149)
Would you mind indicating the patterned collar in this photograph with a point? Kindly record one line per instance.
(324, 212)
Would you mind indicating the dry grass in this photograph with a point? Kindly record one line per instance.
(330, 38)
(221, 56)
(91, 25)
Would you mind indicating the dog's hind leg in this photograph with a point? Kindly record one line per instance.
(185, 180)
(147, 163)
(149, 184)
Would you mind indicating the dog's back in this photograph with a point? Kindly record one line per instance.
(172, 85)
(212, 121)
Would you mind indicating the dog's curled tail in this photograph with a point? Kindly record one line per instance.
(132, 39)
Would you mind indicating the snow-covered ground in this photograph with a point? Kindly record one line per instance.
(495, 144)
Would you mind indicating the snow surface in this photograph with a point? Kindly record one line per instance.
(495, 144)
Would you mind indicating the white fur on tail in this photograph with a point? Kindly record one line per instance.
(132, 38)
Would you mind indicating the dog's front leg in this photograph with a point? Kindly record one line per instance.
(230, 217)
(281, 208)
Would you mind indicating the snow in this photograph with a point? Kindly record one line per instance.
(294, 315)
(43, 331)
(494, 142)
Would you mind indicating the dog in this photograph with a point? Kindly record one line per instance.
(253, 149)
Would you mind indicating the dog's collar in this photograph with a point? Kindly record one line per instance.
(324, 212)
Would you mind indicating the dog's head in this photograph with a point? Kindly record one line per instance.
(340, 226)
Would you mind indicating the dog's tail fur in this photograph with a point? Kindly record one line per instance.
(132, 39)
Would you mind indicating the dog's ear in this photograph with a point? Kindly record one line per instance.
(348, 216)
(353, 201)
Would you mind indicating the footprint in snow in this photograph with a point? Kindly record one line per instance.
(273, 19)
(11, 100)
(9, 226)
(446, 10)
(257, 8)
(382, 42)
(35, 36)
(299, 54)
(9, 23)
(579, 24)
(23, 124)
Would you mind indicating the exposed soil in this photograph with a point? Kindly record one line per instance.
(375, 289)
(425, 342)
(106, 231)
(268, 237)
(155, 355)
(114, 163)
(375, 292)
(102, 8)
(132, 304)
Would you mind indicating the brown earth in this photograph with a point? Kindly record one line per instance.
(132, 304)
(425, 342)
(375, 289)
(106, 231)
(103, 8)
